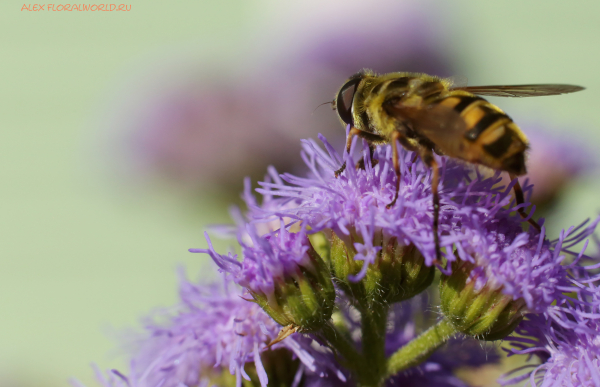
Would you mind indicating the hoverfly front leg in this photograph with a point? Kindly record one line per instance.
(520, 200)
(370, 137)
(353, 131)
(399, 136)
(361, 163)
(435, 180)
(395, 137)
(427, 157)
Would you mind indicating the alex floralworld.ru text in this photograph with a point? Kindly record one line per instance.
(76, 7)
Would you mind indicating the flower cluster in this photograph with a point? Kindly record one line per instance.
(335, 286)
(568, 347)
(476, 222)
(214, 333)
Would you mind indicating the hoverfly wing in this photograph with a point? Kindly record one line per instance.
(521, 90)
(457, 81)
(441, 125)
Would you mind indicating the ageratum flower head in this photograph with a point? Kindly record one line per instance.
(478, 223)
(569, 357)
(284, 275)
(568, 347)
(213, 334)
(354, 206)
(494, 273)
(509, 274)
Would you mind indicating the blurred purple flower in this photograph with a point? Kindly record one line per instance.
(178, 134)
(191, 123)
(554, 161)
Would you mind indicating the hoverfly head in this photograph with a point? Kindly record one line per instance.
(345, 97)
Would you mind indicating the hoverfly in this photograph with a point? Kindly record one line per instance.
(428, 114)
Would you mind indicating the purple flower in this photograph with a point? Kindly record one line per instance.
(181, 122)
(491, 264)
(475, 218)
(524, 266)
(354, 205)
(268, 260)
(284, 275)
(569, 357)
(566, 338)
(213, 331)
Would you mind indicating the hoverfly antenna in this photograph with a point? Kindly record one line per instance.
(332, 103)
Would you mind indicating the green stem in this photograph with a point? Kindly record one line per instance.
(420, 348)
(340, 343)
(374, 320)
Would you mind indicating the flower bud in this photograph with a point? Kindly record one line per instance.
(285, 276)
(486, 313)
(303, 298)
(397, 272)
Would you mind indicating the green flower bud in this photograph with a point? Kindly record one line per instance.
(398, 273)
(485, 313)
(302, 300)
(280, 365)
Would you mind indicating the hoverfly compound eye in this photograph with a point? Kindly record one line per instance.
(345, 109)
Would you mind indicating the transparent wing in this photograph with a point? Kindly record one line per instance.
(521, 90)
(441, 125)
(457, 81)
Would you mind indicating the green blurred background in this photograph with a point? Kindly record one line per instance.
(88, 248)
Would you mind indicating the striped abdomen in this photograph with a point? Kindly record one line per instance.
(485, 134)
(490, 136)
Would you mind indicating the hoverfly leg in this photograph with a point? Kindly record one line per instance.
(520, 200)
(353, 132)
(361, 163)
(394, 140)
(370, 137)
(427, 158)
(339, 171)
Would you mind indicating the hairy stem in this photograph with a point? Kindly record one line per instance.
(374, 320)
(419, 349)
(341, 344)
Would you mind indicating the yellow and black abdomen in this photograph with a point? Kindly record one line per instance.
(490, 136)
